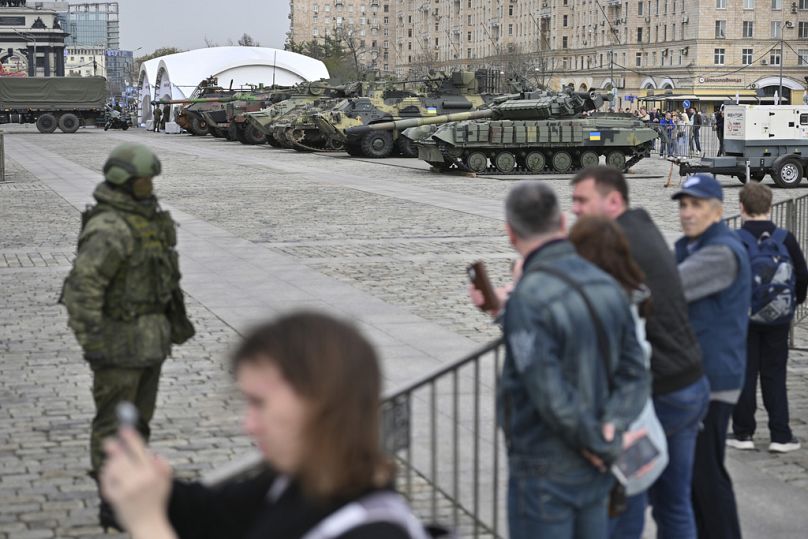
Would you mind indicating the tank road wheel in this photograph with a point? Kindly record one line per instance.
(69, 123)
(505, 162)
(562, 161)
(377, 144)
(589, 159)
(46, 123)
(477, 161)
(616, 159)
(199, 126)
(788, 172)
(405, 147)
(535, 162)
(272, 142)
(253, 136)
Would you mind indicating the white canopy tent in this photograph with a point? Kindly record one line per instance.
(176, 76)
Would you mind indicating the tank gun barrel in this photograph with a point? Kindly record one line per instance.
(415, 122)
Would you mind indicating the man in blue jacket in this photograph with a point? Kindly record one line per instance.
(716, 280)
(562, 411)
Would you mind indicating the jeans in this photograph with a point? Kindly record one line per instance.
(713, 498)
(680, 414)
(767, 354)
(572, 507)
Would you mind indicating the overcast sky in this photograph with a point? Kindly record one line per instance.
(152, 24)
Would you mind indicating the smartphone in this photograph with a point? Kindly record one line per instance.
(634, 458)
(479, 278)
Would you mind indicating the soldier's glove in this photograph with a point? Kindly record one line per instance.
(93, 358)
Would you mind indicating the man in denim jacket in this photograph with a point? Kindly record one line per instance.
(563, 424)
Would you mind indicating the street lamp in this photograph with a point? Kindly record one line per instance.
(28, 37)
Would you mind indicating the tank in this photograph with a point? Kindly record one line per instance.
(453, 92)
(299, 131)
(221, 120)
(274, 120)
(539, 133)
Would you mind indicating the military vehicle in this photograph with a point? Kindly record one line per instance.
(221, 122)
(299, 131)
(457, 91)
(303, 94)
(50, 102)
(539, 133)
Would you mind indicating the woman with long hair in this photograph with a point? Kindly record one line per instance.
(311, 385)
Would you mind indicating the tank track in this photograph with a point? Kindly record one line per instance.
(451, 163)
(300, 146)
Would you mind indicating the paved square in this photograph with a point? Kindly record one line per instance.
(264, 231)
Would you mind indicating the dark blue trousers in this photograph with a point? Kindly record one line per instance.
(766, 356)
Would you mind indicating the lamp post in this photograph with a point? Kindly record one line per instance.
(31, 38)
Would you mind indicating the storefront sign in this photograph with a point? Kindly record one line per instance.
(720, 80)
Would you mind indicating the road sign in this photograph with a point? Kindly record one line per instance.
(686, 103)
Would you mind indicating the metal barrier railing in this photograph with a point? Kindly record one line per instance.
(444, 433)
(791, 214)
(686, 140)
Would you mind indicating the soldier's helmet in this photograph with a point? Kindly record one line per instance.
(131, 160)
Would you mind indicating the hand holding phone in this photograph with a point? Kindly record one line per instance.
(479, 279)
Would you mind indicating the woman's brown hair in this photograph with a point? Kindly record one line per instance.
(336, 371)
(600, 240)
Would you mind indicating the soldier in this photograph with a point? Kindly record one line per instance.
(123, 295)
(157, 115)
(166, 117)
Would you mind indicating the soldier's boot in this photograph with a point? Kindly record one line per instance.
(106, 514)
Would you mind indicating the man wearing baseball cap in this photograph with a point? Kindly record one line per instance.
(716, 278)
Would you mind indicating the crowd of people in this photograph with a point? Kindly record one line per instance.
(603, 326)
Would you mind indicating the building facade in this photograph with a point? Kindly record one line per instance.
(32, 41)
(84, 61)
(708, 50)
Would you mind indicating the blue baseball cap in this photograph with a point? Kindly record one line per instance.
(700, 185)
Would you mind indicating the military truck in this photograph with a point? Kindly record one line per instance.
(453, 92)
(540, 133)
(66, 103)
(769, 139)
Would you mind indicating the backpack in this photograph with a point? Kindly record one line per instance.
(773, 279)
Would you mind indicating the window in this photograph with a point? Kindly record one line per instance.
(776, 29)
(564, 42)
(638, 59)
(774, 58)
(510, 29)
(409, 32)
(718, 57)
(802, 58)
(777, 4)
(803, 119)
(639, 8)
(721, 4)
(314, 32)
(749, 4)
(746, 57)
(720, 29)
(748, 28)
(565, 21)
(803, 30)
(469, 19)
(387, 20)
(803, 4)
(468, 36)
(639, 35)
(510, 10)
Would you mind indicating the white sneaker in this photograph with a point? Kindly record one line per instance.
(787, 447)
(740, 442)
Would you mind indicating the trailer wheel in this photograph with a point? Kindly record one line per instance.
(69, 123)
(377, 144)
(46, 123)
(788, 172)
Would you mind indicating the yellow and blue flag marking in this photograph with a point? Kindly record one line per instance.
(431, 110)
(594, 135)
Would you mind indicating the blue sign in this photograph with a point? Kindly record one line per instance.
(686, 103)
(630, 98)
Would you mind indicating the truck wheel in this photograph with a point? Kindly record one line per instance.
(199, 127)
(406, 147)
(46, 123)
(377, 144)
(788, 172)
(253, 136)
(69, 123)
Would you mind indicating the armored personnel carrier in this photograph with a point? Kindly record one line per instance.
(445, 93)
(537, 134)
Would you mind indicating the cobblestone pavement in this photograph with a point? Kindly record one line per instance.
(388, 231)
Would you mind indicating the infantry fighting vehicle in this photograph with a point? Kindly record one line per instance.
(446, 93)
(769, 139)
(208, 95)
(537, 134)
(221, 122)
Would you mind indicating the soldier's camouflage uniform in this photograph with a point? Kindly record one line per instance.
(125, 305)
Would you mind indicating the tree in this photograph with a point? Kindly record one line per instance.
(246, 40)
(341, 62)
